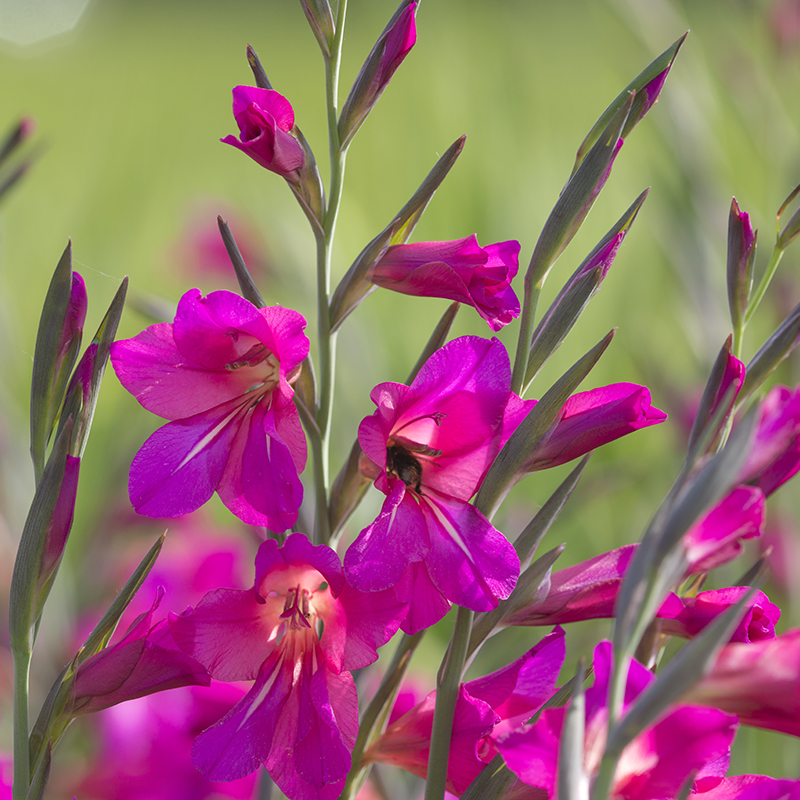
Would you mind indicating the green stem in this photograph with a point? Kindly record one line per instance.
(774, 260)
(526, 325)
(367, 727)
(22, 765)
(446, 697)
(327, 340)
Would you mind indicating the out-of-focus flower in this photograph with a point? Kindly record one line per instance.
(654, 765)
(432, 443)
(760, 682)
(775, 455)
(460, 270)
(392, 47)
(298, 632)
(265, 119)
(716, 538)
(589, 591)
(784, 23)
(144, 661)
(221, 371)
(485, 709)
(687, 616)
(145, 747)
(749, 787)
(6, 776)
(200, 251)
(594, 418)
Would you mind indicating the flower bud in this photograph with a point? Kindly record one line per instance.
(391, 48)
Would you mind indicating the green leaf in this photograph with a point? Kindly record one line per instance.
(22, 617)
(573, 298)
(84, 388)
(779, 345)
(99, 637)
(653, 70)
(686, 668)
(49, 378)
(355, 285)
(246, 284)
(533, 430)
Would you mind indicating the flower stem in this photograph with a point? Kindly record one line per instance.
(526, 322)
(327, 339)
(369, 726)
(446, 697)
(22, 767)
(766, 278)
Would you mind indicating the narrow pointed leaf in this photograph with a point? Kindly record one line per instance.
(526, 591)
(260, 76)
(492, 783)
(246, 284)
(573, 298)
(686, 668)
(792, 228)
(320, 18)
(355, 285)
(653, 70)
(539, 423)
(577, 198)
(81, 399)
(22, 618)
(775, 349)
(57, 344)
(99, 637)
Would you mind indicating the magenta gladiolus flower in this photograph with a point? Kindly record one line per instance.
(589, 591)
(750, 787)
(265, 119)
(432, 442)
(393, 45)
(594, 418)
(461, 270)
(221, 372)
(760, 682)
(775, 456)
(654, 765)
(485, 709)
(687, 616)
(145, 748)
(583, 591)
(716, 539)
(298, 632)
(146, 660)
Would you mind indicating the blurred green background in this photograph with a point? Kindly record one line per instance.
(131, 105)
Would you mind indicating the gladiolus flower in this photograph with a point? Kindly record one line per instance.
(298, 632)
(750, 787)
(265, 119)
(594, 418)
(716, 539)
(775, 455)
(760, 682)
(392, 47)
(145, 748)
(432, 442)
(461, 270)
(589, 591)
(221, 372)
(485, 709)
(654, 765)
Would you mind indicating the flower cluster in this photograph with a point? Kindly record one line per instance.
(280, 660)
